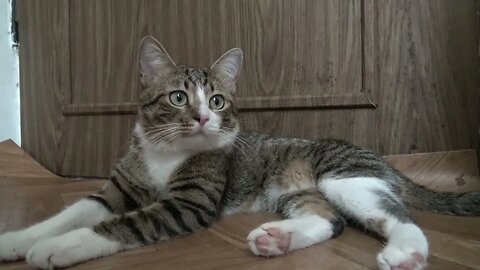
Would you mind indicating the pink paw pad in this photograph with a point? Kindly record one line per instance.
(413, 263)
(272, 242)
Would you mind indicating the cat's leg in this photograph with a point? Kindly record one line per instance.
(370, 202)
(84, 213)
(308, 220)
(181, 215)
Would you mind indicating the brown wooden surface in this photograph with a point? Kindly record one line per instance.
(29, 193)
(394, 76)
(279, 39)
(428, 75)
(44, 68)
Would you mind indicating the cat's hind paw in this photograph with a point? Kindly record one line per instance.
(268, 241)
(397, 259)
(407, 249)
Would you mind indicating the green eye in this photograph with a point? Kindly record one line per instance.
(217, 102)
(178, 98)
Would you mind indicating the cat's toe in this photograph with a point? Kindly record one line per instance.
(398, 258)
(44, 255)
(53, 253)
(14, 246)
(70, 248)
(268, 242)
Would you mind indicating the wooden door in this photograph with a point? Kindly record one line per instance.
(312, 69)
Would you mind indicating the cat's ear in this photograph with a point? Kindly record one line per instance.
(153, 60)
(227, 68)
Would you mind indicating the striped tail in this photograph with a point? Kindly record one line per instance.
(449, 203)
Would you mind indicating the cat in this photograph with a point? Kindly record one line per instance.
(189, 164)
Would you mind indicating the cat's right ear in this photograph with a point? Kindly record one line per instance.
(153, 60)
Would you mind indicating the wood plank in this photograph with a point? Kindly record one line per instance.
(10, 154)
(454, 241)
(454, 249)
(454, 171)
(243, 104)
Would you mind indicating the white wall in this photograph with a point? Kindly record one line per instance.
(9, 82)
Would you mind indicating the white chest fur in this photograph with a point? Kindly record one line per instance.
(161, 164)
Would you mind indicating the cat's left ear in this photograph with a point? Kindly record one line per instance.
(227, 68)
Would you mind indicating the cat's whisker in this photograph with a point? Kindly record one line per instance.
(165, 135)
(163, 125)
(161, 129)
(239, 148)
(239, 139)
(166, 126)
(148, 129)
(173, 137)
(235, 144)
(156, 138)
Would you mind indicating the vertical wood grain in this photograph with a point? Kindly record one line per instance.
(428, 75)
(44, 77)
(292, 48)
(422, 58)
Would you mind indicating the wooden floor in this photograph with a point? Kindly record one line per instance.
(29, 193)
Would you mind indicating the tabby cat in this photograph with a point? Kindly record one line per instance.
(188, 165)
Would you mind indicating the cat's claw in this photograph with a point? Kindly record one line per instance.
(396, 258)
(268, 242)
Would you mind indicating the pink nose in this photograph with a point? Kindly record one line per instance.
(202, 119)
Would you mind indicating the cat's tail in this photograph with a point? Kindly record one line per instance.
(449, 203)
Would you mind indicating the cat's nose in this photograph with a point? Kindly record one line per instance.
(201, 119)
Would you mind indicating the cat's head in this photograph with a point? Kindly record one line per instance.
(186, 108)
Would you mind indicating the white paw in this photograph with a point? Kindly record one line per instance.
(70, 248)
(407, 249)
(49, 254)
(15, 245)
(268, 241)
(401, 258)
(279, 237)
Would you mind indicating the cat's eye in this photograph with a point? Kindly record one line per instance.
(178, 98)
(217, 102)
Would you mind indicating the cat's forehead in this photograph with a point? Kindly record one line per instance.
(194, 78)
(195, 75)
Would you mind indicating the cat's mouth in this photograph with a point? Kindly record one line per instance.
(172, 133)
(199, 131)
(204, 131)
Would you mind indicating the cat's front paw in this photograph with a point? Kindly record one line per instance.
(52, 253)
(71, 248)
(15, 245)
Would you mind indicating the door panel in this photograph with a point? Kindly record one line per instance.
(304, 53)
(393, 76)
